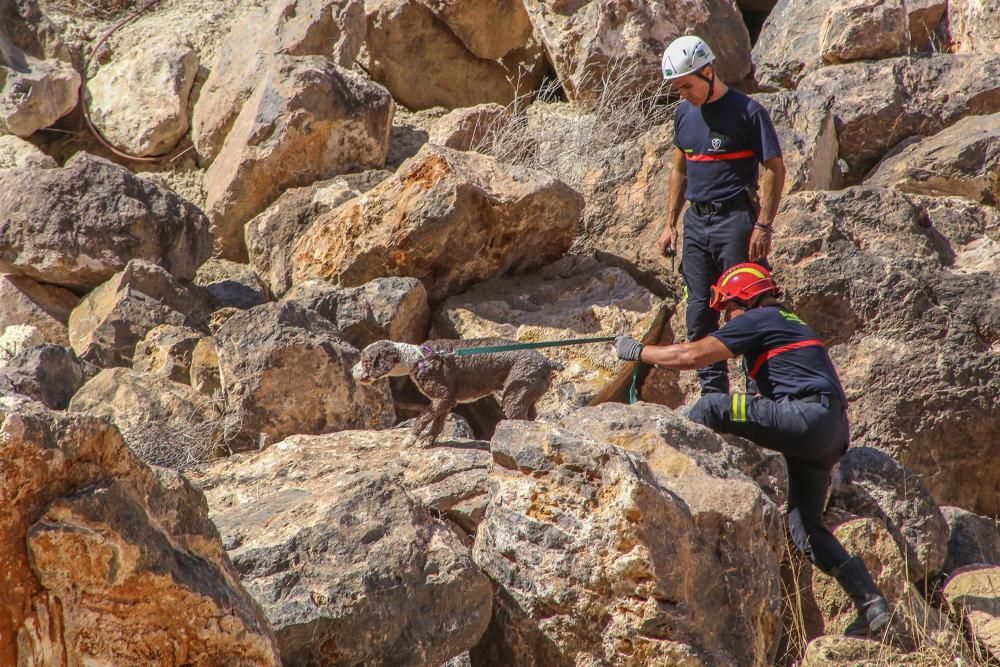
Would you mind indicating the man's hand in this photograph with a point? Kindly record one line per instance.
(628, 349)
(760, 244)
(667, 243)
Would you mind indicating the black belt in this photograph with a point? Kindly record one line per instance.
(739, 202)
(826, 400)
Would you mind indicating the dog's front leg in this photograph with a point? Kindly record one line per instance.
(430, 423)
(420, 426)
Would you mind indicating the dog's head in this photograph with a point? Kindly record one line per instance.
(378, 360)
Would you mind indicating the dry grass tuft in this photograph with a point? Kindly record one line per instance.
(589, 135)
(915, 640)
(184, 441)
(103, 10)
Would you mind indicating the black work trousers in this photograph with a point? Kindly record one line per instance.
(713, 242)
(811, 436)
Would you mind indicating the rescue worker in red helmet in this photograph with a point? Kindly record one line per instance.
(801, 412)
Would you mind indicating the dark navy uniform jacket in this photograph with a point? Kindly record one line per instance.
(782, 353)
(723, 142)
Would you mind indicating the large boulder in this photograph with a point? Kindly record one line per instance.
(107, 561)
(878, 104)
(864, 30)
(17, 338)
(591, 41)
(271, 235)
(974, 596)
(166, 350)
(885, 279)
(78, 225)
(576, 297)
(164, 423)
(48, 373)
(626, 195)
(231, 284)
(801, 36)
(24, 301)
(788, 46)
(410, 131)
(383, 309)
(489, 29)
(618, 156)
(962, 160)
(337, 537)
(973, 26)
(286, 370)
(597, 561)
(448, 218)
(805, 126)
(329, 28)
(868, 483)
(18, 153)
(424, 64)
(682, 454)
(105, 328)
(37, 83)
(307, 119)
(972, 539)
(140, 103)
(464, 129)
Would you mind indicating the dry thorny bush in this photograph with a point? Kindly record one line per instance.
(591, 133)
(184, 441)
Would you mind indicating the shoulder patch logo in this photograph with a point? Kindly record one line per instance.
(716, 143)
(791, 317)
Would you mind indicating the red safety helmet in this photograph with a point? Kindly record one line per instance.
(743, 282)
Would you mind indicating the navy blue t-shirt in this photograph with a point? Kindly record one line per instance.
(802, 369)
(723, 141)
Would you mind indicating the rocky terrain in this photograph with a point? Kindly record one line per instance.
(208, 207)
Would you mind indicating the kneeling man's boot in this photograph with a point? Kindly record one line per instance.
(873, 609)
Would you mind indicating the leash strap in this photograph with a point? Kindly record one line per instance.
(467, 351)
(633, 391)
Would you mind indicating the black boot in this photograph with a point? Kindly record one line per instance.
(873, 609)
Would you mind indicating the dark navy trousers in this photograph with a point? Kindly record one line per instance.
(712, 243)
(811, 436)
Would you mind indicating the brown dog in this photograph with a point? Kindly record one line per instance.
(521, 377)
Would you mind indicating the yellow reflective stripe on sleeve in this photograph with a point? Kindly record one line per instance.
(743, 407)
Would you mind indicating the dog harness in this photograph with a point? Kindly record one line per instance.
(429, 355)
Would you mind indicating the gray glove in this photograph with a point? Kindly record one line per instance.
(628, 348)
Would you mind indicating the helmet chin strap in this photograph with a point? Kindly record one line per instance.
(710, 82)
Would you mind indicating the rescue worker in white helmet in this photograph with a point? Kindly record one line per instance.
(801, 412)
(721, 136)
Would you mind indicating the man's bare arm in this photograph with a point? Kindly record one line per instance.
(667, 243)
(678, 181)
(687, 356)
(771, 185)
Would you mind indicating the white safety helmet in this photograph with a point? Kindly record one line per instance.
(685, 55)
